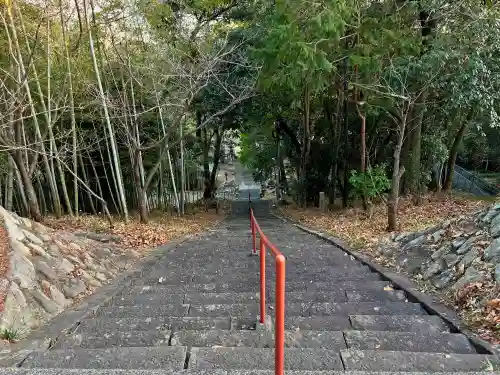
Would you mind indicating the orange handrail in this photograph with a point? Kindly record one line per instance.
(279, 321)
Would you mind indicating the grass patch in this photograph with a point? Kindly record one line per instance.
(11, 334)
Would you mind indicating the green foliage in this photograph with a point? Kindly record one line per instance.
(11, 334)
(370, 184)
(258, 153)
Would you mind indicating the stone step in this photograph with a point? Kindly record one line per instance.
(389, 323)
(375, 295)
(435, 342)
(159, 309)
(320, 277)
(371, 360)
(153, 323)
(309, 309)
(334, 285)
(147, 299)
(201, 338)
(162, 357)
(221, 298)
(21, 371)
(259, 339)
(340, 295)
(218, 310)
(317, 323)
(395, 323)
(340, 274)
(248, 297)
(166, 288)
(252, 268)
(359, 308)
(263, 359)
(399, 323)
(243, 286)
(251, 309)
(102, 340)
(330, 296)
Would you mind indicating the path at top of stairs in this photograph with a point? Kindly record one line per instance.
(196, 309)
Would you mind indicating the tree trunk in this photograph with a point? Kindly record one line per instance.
(116, 161)
(306, 146)
(415, 181)
(345, 192)
(29, 189)
(87, 182)
(182, 195)
(99, 188)
(141, 195)
(452, 157)
(283, 180)
(206, 163)
(216, 158)
(23, 71)
(106, 178)
(20, 189)
(71, 109)
(397, 172)
(363, 154)
(9, 185)
(334, 133)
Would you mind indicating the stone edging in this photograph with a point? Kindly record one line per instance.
(432, 307)
(68, 320)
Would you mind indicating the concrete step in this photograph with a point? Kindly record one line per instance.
(360, 308)
(389, 323)
(166, 288)
(252, 309)
(375, 295)
(339, 295)
(317, 323)
(210, 268)
(297, 286)
(263, 359)
(332, 278)
(244, 286)
(102, 340)
(218, 310)
(248, 297)
(21, 371)
(146, 299)
(306, 309)
(211, 338)
(367, 360)
(158, 309)
(259, 339)
(305, 270)
(340, 274)
(106, 325)
(162, 357)
(436, 342)
(331, 296)
(221, 298)
(399, 323)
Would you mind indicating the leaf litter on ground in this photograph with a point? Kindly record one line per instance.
(161, 229)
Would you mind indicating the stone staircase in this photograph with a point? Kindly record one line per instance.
(197, 310)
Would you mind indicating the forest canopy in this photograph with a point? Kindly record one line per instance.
(109, 106)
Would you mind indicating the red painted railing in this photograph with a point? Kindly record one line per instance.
(279, 319)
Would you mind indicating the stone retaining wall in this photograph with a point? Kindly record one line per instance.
(452, 254)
